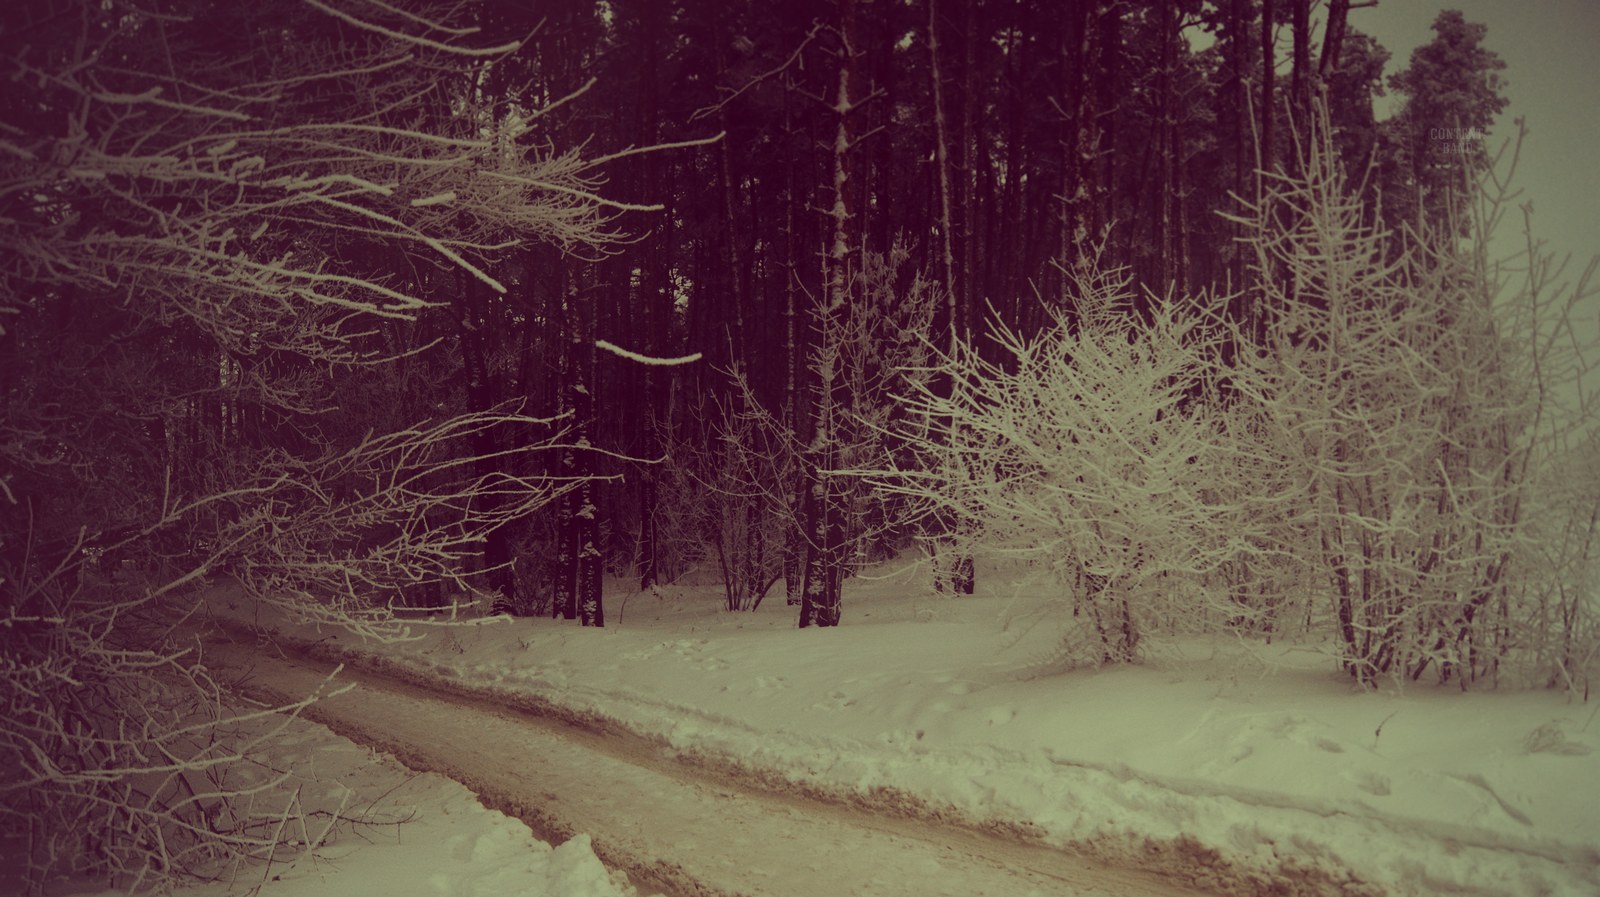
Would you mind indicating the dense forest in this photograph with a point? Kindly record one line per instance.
(372, 304)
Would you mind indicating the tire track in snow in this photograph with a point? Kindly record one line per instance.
(684, 830)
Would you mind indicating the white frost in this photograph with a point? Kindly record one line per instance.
(620, 352)
(436, 199)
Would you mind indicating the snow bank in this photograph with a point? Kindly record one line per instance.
(413, 835)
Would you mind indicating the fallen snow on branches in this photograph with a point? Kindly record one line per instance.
(620, 352)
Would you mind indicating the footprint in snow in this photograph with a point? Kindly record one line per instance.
(1374, 783)
(836, 700)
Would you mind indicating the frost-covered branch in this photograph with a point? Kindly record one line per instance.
(214, 221)
(620, 352)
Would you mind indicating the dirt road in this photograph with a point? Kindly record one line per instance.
(673, 828)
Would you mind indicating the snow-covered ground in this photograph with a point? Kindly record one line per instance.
(1242, 764)
(401, 834)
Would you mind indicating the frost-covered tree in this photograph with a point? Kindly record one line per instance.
(210, 213)
(1416, 403)
(1089, 449)
(1400, 446)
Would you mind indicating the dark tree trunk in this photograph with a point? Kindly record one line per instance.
(1269, 61)
(1333, 37)
(1077, 119)
(590, 569)
(649, 498)
(1165, 148)
(1302, 76)
(588, 561)
(1110, 59)
(954, 304)
(821, 595)
(1239, 63)
(794, 416)
(564, 603)
(654, 293)
(482, 395)
(967, 160)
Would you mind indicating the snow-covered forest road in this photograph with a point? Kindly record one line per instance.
(673, 827)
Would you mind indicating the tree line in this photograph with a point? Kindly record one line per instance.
(370, 305)
(994, 150)
(990, 149)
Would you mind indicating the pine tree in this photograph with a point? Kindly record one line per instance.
(1438, 140)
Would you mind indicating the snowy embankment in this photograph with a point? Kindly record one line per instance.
(1244, 768)
(386, 831)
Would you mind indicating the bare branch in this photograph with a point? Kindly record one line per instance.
(733, 94)
(431, 44)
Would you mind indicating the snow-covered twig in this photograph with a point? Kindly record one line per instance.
(620, 352)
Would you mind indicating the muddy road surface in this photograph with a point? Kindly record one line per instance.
(674, 828)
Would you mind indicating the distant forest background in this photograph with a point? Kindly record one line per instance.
(381, 303)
